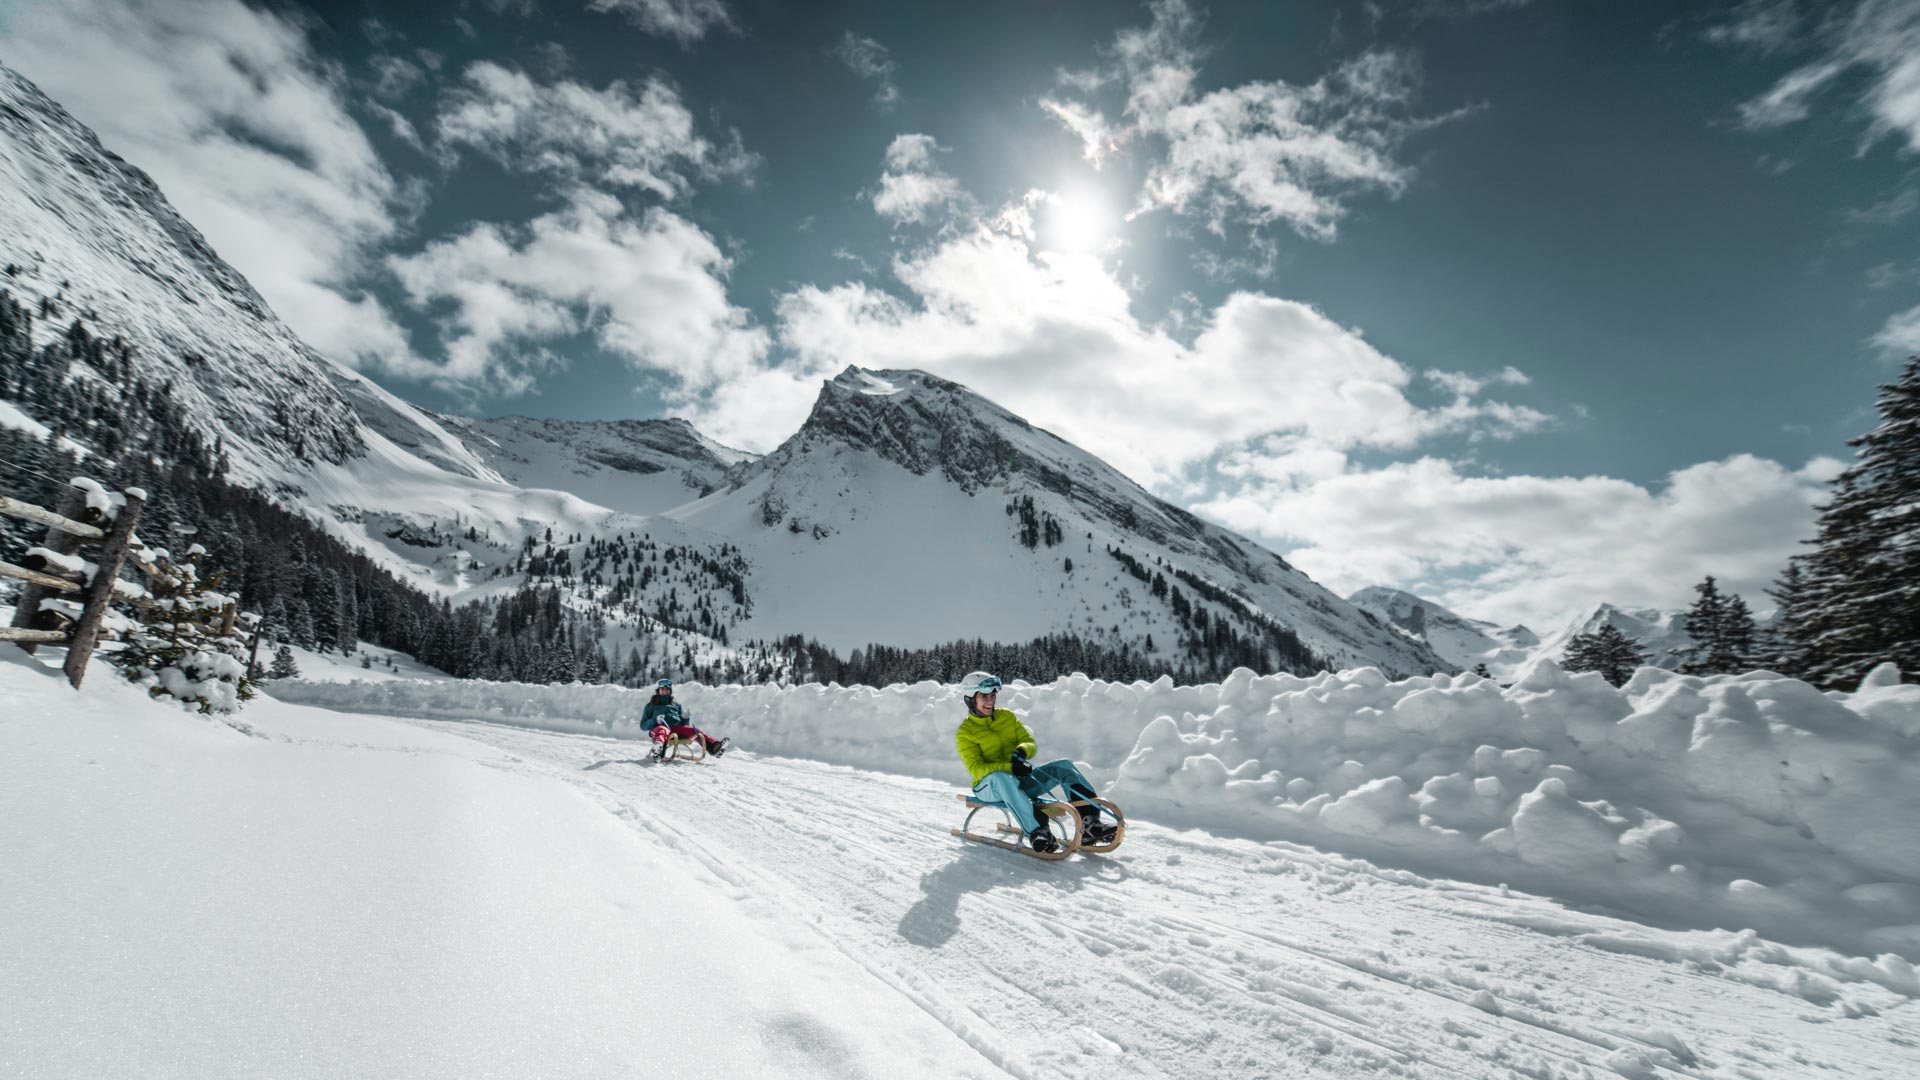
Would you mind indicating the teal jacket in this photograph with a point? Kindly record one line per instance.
(662, 712)
(986, 743)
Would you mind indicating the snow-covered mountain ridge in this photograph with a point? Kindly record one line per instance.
(1660, 632)
(635, 466)
(87, 235)
(906, 509)
(1459, 640)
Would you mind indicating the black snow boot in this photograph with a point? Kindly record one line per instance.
(718, 748)
(1042, 841)
(1094, 832)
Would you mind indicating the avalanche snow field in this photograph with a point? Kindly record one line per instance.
(1187, 955)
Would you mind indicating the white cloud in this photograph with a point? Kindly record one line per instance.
(684, 20)
(401, 127)
(1053, 337)
(643, 139)
(1767, 26)
(913, 185)
(651, 286)
(1532, 549)
(1879, 39)
(1901, 334)
(1260, 151)
(1467, 385)
(247, 133)
(869, 59)
(394, 76)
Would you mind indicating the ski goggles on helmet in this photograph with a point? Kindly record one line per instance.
(663, 684)
(988, 685)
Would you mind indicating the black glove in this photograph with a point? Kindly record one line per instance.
(1020, 766)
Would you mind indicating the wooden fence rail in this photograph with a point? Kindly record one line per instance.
(65, 532)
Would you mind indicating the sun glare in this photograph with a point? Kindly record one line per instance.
(1077, 221)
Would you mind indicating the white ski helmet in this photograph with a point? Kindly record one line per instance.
(979, 682)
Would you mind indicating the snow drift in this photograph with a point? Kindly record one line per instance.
(1732, 801)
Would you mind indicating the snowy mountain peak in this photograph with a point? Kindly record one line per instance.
(900, 484)
(1459, 640)
(921, 423)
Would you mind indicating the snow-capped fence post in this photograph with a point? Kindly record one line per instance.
(62, 538)
(113, 552)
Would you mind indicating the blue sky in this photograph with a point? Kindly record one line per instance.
(1523, 305)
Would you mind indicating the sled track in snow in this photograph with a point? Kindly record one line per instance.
(1187, 955)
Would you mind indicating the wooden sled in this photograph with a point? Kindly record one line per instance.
(679, 747)
(1063, 821)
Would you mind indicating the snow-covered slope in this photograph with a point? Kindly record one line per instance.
(896, 514)
(309, 895)
(92, 237)
(1460, 641)
(335, 894)
(1724, 802)
(1660, 633)
(636, 466)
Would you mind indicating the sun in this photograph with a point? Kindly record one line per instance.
(1077, 221)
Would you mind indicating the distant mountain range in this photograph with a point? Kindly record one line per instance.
(906, 510)
(1465, 642)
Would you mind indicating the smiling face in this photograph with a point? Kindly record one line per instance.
(983, 703)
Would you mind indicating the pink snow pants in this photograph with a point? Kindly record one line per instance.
(684, 731)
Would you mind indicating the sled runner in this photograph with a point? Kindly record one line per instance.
(1063, 821)
(681, 747)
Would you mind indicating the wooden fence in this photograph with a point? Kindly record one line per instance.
(48, 572)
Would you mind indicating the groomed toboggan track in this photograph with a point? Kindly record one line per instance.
(1200, 956)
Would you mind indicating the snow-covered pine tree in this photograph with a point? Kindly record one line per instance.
(1705, 621)
(284, 666)
(1739, 638)
(179, 650)
(1608, 651)
(1863, 578)
(1788, 644)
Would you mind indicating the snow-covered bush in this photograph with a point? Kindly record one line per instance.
(1733, 801)
(178, 649)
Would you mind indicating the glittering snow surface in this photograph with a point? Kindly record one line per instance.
(335, 893)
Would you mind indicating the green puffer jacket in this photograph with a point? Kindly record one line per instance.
(986, 743)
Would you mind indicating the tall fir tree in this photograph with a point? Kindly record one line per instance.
(1704, 621)
(1788, 644)
(1862, 580)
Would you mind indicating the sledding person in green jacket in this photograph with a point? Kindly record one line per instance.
(997, 750)
(663, 718)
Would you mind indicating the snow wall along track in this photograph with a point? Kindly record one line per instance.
(1751, 801)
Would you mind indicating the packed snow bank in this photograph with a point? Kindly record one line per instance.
(325, 896)
(1732, 801)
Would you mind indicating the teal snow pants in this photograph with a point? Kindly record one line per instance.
(1017, 794)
